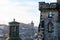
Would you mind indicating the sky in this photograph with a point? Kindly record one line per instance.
(24, 11)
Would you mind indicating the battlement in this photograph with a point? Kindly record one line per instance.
(43, 5)
(58, 1)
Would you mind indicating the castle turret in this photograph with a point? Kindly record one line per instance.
(48, 16)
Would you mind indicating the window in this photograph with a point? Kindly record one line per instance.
(50, 15)
(50, 27)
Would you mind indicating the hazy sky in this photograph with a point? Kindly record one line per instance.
(23, 11)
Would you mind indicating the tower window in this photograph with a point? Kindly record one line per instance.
(50, 15)
(50, 27)
(42, 24)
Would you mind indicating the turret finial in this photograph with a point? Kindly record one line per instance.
(14, 19)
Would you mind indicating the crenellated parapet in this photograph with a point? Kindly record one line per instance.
(45, 6)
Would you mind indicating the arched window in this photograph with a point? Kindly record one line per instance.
(50, 27)
(39, 28)
(42, 23)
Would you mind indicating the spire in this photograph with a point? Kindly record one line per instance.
(14, 19)
(32, 23)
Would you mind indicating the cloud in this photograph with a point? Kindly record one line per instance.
(22, 11)
(32, 10)
(51, 1)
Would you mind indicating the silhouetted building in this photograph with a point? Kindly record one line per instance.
(14, 30)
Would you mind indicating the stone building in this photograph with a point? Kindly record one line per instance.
(3, 32)
(27, 31)
(49, 27)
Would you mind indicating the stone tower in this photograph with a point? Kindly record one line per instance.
(49, 26)
(58, 21)
(58, 1)
(14, 30)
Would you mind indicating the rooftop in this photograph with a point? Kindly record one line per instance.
(14, 22)
(43, 5)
